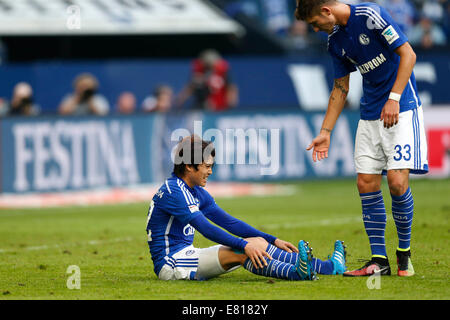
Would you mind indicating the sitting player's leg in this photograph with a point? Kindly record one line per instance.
(301, 270)
(225, 259)
(335, 265)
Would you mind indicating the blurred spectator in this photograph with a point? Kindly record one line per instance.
(160, 101)
(126, 103)
(85, 99)
(22, 101)
(277, 16)
(427, 34)
(434, 10)
(298, 38)
(446, 19)
(250, 8)
(402, 11)
(3, 107)
(210, 84)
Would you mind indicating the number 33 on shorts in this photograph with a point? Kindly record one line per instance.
(402, 153)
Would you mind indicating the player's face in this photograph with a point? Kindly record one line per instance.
(324, 21)
(204, 170)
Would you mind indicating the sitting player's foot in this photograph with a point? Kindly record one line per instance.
(405, 267)
(303, 266)
(379, 265)
(338, 257)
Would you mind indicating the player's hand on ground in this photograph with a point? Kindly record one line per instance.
(256, 255)
(390, 113)
(284, 245)
(320, 146)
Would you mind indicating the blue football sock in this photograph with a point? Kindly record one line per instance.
(274, 269)
(322, 267)
(281, 255)
(319, 266)
(374, 217)
(402, 212)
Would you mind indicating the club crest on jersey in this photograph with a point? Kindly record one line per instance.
(188, 230)
(364, 39)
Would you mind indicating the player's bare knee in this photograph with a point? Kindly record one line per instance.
(229, 258)
(397, 187)
(367, 183)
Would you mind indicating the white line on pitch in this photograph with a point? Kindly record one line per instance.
(60, 246)
(314, 223)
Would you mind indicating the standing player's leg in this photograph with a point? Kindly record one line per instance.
(402, 212)
(374, 218)
(405, 146)
(370, 161)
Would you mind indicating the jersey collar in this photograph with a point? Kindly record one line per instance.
(187, 186)
(351, 18)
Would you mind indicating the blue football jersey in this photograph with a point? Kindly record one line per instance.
(171, 209)
(367, 43)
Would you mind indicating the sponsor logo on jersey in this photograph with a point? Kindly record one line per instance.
(372, 64)
(188, 230)
(193, 208)
(390, 34)
(364, 39)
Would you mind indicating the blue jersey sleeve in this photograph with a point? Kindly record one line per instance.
(342, 67)
(213, 233)
(387, 29)
(237, 227)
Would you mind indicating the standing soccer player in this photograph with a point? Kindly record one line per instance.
(390, 138)
(182, 206)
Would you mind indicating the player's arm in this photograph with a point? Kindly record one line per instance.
(243, 229)
(391, 109)
(235, 226)
(336, 103)
(213, 233)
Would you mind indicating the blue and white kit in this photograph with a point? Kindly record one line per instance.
(368, 43)
(175, 213)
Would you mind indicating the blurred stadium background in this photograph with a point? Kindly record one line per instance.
(147, 60)
(92, 93)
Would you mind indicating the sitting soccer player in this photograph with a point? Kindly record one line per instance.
(182, 206)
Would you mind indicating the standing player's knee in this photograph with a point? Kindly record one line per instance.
(398, 181)
(397, 187)
(366, 184)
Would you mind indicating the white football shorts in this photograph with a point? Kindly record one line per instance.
(403, 146)
(193, 264)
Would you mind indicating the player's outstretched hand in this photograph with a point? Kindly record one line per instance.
(284, 245)
(256, 255)
(320, 146)
(390, 113)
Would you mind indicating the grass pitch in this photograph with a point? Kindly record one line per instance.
(108, 243)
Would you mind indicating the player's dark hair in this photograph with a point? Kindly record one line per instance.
(192, 151)
(307, 8)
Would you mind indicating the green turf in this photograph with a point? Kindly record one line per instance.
(108, 243)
